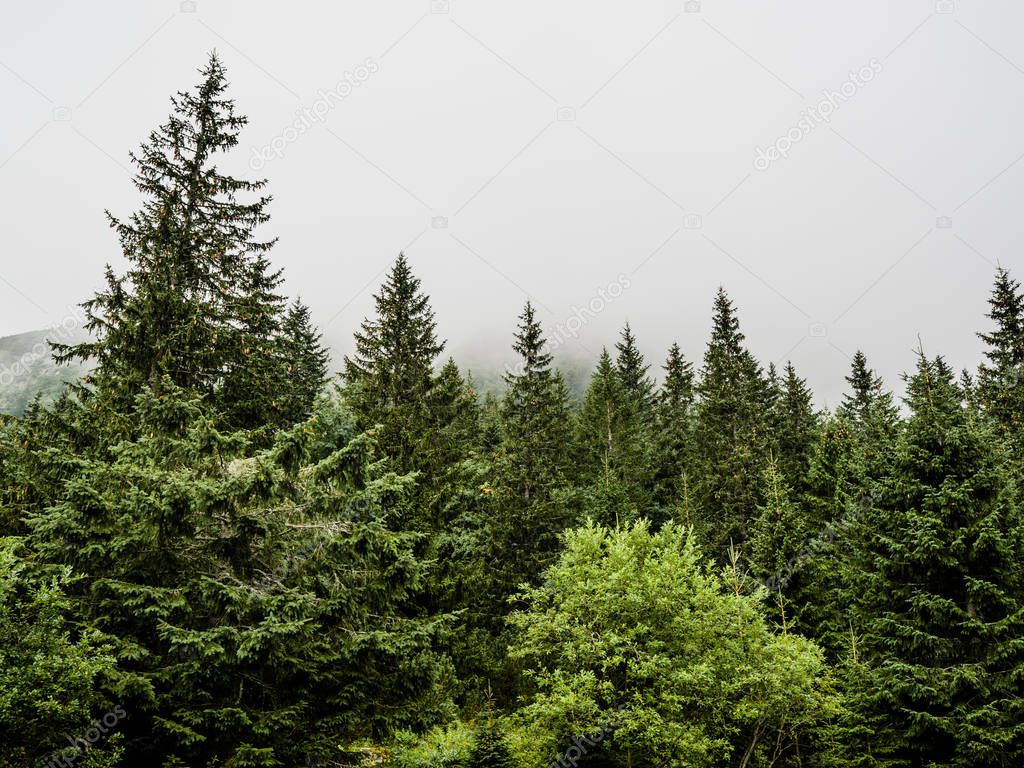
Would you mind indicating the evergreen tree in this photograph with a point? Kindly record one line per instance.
(938, 590)
(612, 447)
(730, 453)
(531, 467)
(1001, 377)
(490, 750)
(198, 304)
(262, 604)
(796, 426)
(673, 428)
(390, 375)
(535, 418)
(632, 370)
(777, 534)
(867, 401)
(306, 358)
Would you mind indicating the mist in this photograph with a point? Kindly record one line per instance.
(847, 171)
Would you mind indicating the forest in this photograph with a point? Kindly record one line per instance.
(215, 552)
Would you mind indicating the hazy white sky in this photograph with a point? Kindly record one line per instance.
(551, 150)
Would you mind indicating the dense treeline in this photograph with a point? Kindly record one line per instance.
(213, 556)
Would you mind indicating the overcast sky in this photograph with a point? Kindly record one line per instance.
(849, 171)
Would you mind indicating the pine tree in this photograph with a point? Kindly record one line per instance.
(391, 373)
(198, 304)
(731, 422)
(1001, 378)
(938, 591)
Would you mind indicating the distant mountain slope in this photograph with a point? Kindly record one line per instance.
(27, 368)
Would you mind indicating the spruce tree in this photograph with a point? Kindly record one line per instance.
(632, 371)
(867, 399)
(535, 417)
(198, 303)
(390, 375)
(777, 533)
(611, 445)
(1001, 377)
(490, 750)
(938, 591)
(262, 604)
(306, 358)
(796, 426)
(732, 447)
(673, 429)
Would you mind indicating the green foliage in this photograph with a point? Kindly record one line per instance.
(444, 746)
(249, 591)
(631, 626)
(937, 588)
(391, 373)
(50, 670)
(490, 749)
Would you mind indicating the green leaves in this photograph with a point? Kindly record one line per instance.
(633, 619)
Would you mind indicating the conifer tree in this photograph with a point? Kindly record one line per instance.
(1001, 377)
(867, 400)
(535, 417)
(632, 370)
(732, 449)
(198, 304)
(796, 424)
(611, 445)
(390, 375)
(673, 428)
(532, 464)
(262, 604)
(306, 359)
(777, 534)
(490, 750)
(937, 589)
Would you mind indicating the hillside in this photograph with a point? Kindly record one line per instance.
(27, 369)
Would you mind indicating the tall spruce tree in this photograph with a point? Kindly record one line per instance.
(390, 375)
(198, 303)
(938, 590)
(731, 453)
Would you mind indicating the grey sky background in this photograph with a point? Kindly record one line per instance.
(551, 149)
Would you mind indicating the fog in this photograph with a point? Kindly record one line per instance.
(847, 171)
